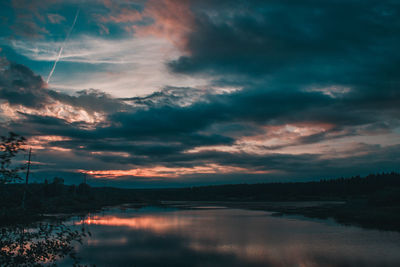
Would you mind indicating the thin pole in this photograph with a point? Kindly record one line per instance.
(27, 178)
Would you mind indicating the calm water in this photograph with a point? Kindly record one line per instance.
(229, 237)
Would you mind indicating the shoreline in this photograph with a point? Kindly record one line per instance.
(342, 212)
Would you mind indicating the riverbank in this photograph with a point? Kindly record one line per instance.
(46, 200)
(356, 213)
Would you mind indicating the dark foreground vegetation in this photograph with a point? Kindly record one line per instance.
(55, 198)
(372, 201)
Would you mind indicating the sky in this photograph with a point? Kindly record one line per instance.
(166, 93)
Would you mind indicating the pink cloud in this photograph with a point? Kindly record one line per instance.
(171, 172)
(173, 20)
(123, 15)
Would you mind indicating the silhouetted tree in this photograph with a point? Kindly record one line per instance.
(10, 146)
(39, 244)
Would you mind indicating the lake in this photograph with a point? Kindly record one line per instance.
(217, 236)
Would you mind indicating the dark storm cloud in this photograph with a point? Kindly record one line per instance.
(160, 133)
(300, 44)
(170, 96)
(329, 63)
(20, 86)
(160, 130)
(151, 148)
(167, 131)
(253, 36)
(91, 100)
(257, 106)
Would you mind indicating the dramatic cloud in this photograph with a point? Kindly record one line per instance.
(197, 92)
(26, 93)
(19, 85)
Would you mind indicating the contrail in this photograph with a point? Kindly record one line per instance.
(62, 47)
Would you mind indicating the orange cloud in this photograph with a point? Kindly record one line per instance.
(169, 172)
(271, 139)
(42, 142)
(56, 109)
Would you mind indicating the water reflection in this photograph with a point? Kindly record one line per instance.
(157, 224)
(229, 237)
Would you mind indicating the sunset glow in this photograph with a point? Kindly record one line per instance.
(200, 133)
(171, 172)
(184, 92)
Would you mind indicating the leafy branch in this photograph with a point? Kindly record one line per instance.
(10, 146)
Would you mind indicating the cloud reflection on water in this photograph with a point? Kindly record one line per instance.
(232, 238)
